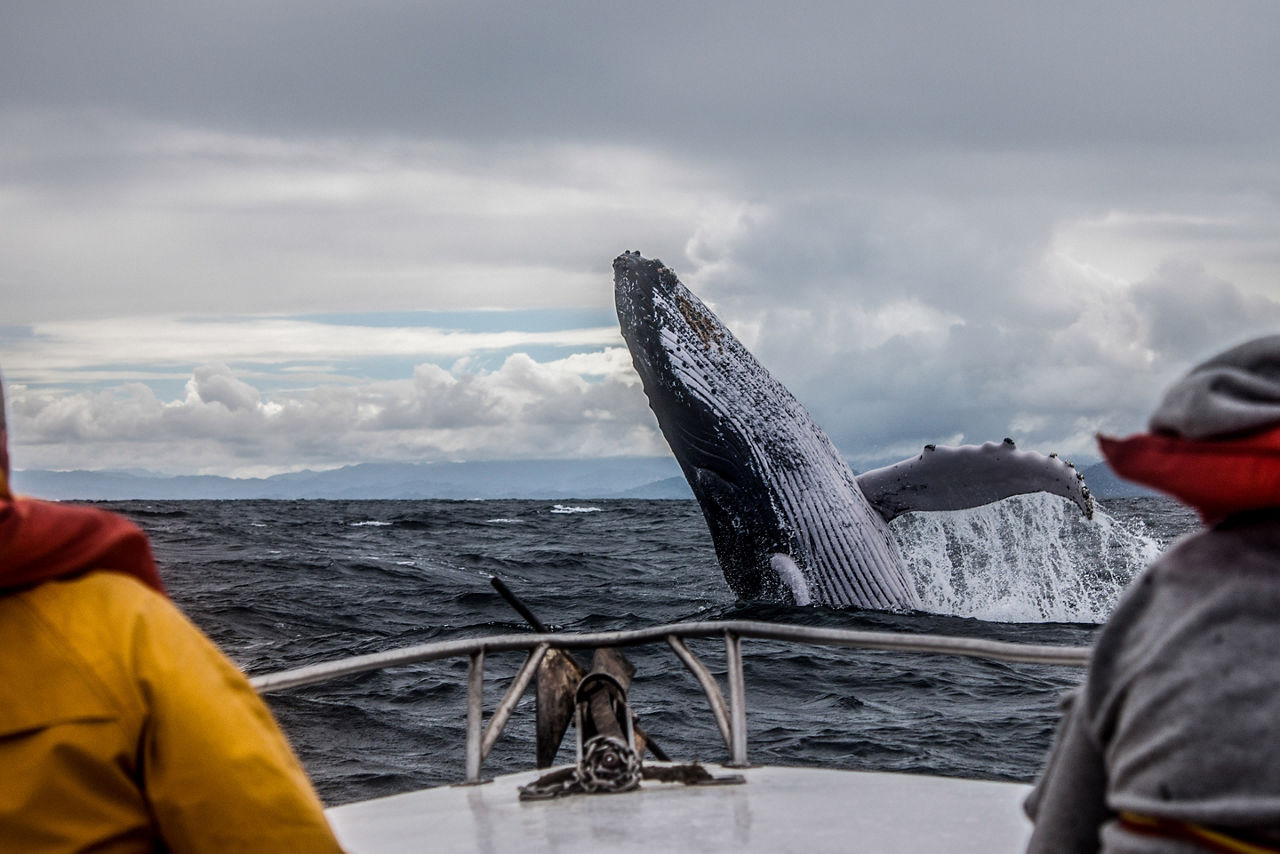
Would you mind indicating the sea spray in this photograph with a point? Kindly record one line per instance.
(1030, 558)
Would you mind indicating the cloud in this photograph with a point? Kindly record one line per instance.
(1191, 314)
(585, 405)
(117, 217)
(897, 319)
(667, 74)
(931, 221)
(958, 325)
(215, 384)
(78, 351)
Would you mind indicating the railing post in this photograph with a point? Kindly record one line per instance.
(498, 719)
(737, 699)
(709, 687)
(475, 713)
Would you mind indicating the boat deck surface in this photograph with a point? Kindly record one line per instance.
(778, 809)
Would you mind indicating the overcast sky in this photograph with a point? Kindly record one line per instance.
(248, 237)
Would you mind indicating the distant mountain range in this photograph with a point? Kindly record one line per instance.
(616, 477)
(1104, 483)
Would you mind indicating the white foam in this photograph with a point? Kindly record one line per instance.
(502, 521)
(370, 524)
(1031, 558)
(562, 508)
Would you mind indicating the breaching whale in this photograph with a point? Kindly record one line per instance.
(789, 519)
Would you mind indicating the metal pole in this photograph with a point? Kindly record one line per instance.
(475, 713)
(498, 719)
(737, 699)
(709, 687)
(934, 644)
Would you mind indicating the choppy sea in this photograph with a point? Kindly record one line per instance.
(280, 584)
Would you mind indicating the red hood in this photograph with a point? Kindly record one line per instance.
(1217, 477)
(41, 541)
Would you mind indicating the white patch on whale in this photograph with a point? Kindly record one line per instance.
(791, 576)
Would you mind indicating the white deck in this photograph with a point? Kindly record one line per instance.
(778, 810)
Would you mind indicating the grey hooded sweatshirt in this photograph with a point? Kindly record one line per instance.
(1179, 716)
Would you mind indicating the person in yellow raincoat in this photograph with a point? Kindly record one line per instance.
(122, 728)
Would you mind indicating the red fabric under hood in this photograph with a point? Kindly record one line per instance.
(41, 541)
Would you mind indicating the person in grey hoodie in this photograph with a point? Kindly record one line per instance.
(1172, 743)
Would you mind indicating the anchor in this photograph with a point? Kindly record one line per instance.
(610, 744)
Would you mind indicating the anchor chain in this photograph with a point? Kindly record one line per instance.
(609, 765)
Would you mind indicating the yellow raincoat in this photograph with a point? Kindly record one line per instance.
(123, 729)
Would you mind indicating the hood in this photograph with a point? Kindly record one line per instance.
(42, 541)
(1214, 440)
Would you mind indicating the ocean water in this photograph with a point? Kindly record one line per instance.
(280, 584)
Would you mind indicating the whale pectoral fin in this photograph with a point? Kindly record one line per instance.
(969, 476)
(791, 577)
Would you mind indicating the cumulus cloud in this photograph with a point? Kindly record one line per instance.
(584, 405)
(215, 384)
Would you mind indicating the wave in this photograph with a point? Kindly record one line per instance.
(564, 508)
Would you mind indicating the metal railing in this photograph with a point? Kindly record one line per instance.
(731, 718)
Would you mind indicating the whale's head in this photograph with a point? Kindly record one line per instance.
(680, 347)
(714, 402)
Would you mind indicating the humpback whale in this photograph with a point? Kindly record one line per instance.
(789, 519)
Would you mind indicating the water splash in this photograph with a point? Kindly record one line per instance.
(1030, 558)
(563, 508)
